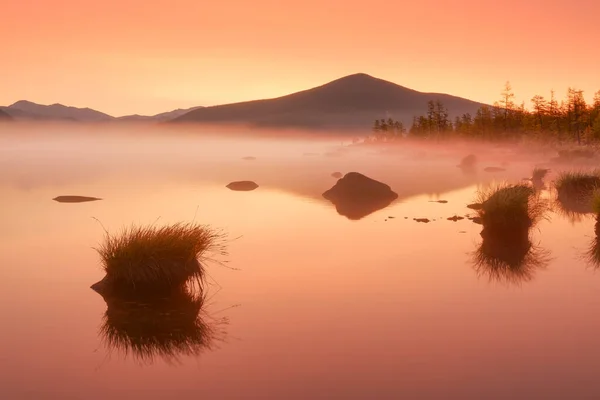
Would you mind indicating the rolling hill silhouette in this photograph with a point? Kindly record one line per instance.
(354, 101)
(27, 110)
(158, 117)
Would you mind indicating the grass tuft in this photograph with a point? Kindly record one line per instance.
(539, 174)
(510, 207)
(575, 190)
(158, 258)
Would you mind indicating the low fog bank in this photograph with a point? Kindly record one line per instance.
(299, 163)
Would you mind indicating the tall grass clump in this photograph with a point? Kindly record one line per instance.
(507, 208)
(574, 191)
(157, 259)
(539, 174)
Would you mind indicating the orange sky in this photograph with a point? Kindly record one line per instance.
(149, 56)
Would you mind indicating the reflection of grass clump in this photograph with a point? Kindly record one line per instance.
(166, 327)
(509, 207)
(509, 259)
(156, 259)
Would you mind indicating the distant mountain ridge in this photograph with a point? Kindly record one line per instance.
(159, 117)
(27, 110)
(354, 101)
(351, 102)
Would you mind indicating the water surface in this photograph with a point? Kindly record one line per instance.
(315, 305)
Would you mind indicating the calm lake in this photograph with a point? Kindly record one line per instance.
(310, 304)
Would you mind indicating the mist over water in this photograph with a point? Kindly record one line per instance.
(314, 304)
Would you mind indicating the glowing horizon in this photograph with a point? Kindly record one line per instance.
(133, 57)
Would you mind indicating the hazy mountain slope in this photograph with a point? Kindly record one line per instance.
(28, 110)
(158, 117)
(4, 116)
(350, 102)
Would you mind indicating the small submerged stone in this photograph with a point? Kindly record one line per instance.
(438, 201)
(242, 186)
(424, 220)
(75, 199)
(337, 175)
(455, 218)
(249, 158)
(391, 217)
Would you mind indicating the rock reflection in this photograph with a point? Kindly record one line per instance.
(355, 196)
(167, 327)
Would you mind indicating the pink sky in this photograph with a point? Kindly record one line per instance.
(146, 57)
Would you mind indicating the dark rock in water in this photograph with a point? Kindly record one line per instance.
(424, 220)
(462, 231)
(74, 199)
(477, 220)
(391, 217)
(337, 175)
(494, 169)
(249, 158)
(475, 206)
(355, 195)
(468, 162)
(438, 201)
(242, 186)
(455, 218)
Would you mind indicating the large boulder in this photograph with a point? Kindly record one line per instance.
(355, 195)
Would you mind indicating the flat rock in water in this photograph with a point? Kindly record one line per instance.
(424, 220)
(438, 201)
(242, 186)
(355, 195)
(455, 218)
(75, 199)
(337, 175)
(494, 169)
(475, 206)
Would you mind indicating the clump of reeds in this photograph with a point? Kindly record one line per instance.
(157, 259)
(539, 174)
(508, 208)
(166, 327)
(575, 190)
(593, 253)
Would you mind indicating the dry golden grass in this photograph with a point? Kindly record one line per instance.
(158, 258)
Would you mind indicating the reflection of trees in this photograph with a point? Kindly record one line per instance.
(166, 327)
(509, 258)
